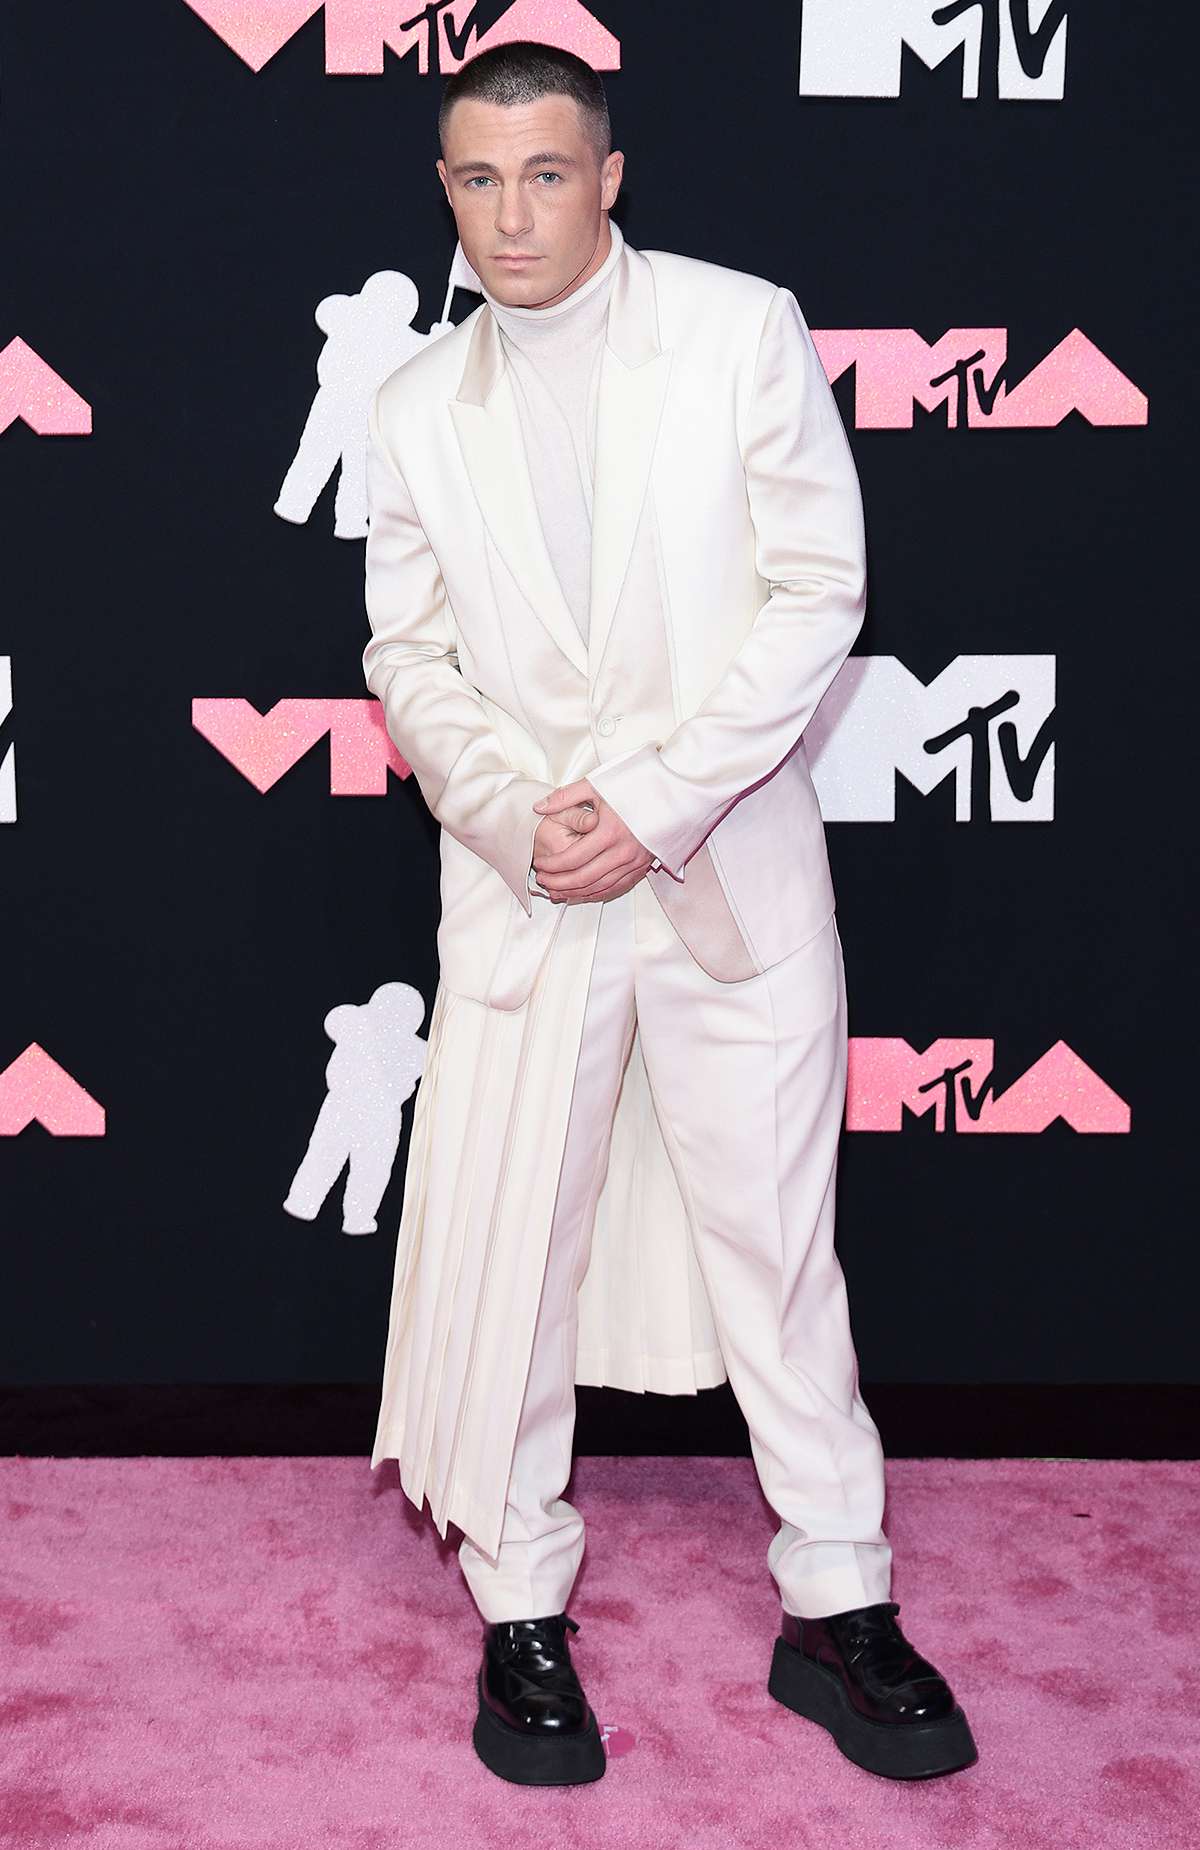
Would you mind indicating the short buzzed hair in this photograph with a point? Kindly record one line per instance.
(521, 72)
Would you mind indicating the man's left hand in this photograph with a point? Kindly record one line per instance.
(605, 863)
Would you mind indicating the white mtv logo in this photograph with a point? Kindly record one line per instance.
(986, 720)
(1015, 48)
(8, 763)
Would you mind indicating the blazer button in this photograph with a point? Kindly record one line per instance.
(606, 727)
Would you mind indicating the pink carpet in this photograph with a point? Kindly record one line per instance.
(228, 1654)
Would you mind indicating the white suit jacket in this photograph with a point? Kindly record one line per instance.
(719, 437)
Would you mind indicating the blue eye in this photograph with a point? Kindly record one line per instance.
(550, 171)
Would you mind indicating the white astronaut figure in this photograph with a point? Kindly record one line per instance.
(366, 337)
(377, 1059)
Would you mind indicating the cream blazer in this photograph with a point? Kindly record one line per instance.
(716, 425)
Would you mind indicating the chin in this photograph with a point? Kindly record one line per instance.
(515, 291)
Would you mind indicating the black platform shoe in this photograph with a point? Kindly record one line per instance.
(534, 1725)
(885, 1705)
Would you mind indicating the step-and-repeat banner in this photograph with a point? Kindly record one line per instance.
(221, 229)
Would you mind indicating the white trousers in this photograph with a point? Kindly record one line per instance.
(748, 1082)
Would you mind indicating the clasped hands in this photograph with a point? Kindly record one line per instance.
(582, 850)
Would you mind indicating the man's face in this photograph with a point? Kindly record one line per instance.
(524, 180)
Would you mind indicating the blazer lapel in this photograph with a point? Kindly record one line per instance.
(633, 386)
(489, 434)
(633, 378)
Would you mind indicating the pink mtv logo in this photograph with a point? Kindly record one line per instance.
(966, 371)
(953, 1079)
(34, 1089)
(31, 389)
(441, 32)
(263, 746)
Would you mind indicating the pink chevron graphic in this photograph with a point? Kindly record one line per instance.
(895, 369)
(265, 746)
(358, 31)
(35, 1089)
(952, 1078)
(31, 389)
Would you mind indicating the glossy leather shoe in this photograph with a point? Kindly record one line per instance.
(885, 1705)
(534, 1725)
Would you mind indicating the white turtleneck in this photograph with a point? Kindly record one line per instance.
(553, 356)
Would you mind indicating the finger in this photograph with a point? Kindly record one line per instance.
(577, 864)
(602, 869)
(573, 823)
(564, 796)
(610, 889)
(589, 846)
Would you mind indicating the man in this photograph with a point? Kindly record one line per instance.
(615, 559)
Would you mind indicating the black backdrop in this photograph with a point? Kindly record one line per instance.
(173, 936)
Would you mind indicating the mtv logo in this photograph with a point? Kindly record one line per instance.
(1010, 48)
(891, 1084)
(8, 759)
(966, 370)
(442, 33)
(264, 747)
(31, 390)
(986, 721)
(35, 1089)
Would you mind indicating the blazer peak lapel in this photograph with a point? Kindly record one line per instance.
(633, 384)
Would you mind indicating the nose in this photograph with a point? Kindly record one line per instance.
(511, 217)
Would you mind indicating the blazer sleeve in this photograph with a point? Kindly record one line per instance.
(434, 716)
(810, 547)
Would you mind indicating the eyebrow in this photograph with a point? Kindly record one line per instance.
(531, 160)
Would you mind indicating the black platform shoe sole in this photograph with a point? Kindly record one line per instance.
(538, 1759)
(897, 1750)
